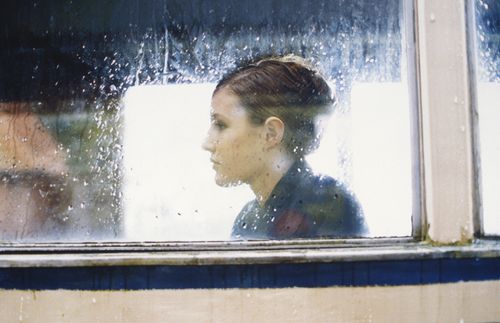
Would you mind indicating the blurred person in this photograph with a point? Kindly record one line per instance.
(263, 124)
(33, 189)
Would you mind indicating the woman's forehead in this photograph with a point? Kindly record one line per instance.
(227, 104)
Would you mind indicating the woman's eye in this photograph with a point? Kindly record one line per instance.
(220, 125)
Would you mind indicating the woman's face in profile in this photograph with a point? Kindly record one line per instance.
(236, 145)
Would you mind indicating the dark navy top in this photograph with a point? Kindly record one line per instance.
(302, 205)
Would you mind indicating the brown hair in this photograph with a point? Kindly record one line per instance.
(285, 87)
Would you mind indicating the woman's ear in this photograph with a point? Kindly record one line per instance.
(274, 131)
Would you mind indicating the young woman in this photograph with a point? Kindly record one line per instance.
(263, 124)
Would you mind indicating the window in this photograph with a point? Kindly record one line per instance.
(70, 150)
(487, 41)
(105, 105)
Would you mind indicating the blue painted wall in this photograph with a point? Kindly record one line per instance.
(363, 273)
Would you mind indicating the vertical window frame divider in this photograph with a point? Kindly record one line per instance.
(476, 144)
(410, 41)
(448, 169)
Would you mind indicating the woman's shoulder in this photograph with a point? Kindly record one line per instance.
(333, 206)
(324, 186)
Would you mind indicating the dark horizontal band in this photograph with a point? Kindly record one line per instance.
(360, 273)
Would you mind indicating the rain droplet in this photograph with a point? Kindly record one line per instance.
(42, 193)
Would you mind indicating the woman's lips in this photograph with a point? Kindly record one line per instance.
(214, 163)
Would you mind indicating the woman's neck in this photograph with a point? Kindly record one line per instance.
(263, 185)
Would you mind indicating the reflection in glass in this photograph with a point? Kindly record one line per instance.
(488, 95)
(120, 94)
(33, 188)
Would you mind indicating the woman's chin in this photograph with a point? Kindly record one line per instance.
(224, 181)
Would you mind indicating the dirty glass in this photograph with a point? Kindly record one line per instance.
(104, 106)
(487, 40)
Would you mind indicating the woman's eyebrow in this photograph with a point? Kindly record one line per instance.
(215, 115)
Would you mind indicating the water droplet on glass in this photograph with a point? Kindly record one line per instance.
(43, 194)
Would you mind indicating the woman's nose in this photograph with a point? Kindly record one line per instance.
(208, 143)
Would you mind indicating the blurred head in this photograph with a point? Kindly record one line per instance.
(270, 104)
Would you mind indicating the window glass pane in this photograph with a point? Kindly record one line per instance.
(104, 106)
(488, 95)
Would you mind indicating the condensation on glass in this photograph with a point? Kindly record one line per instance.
(487, 40)
(104, 106)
